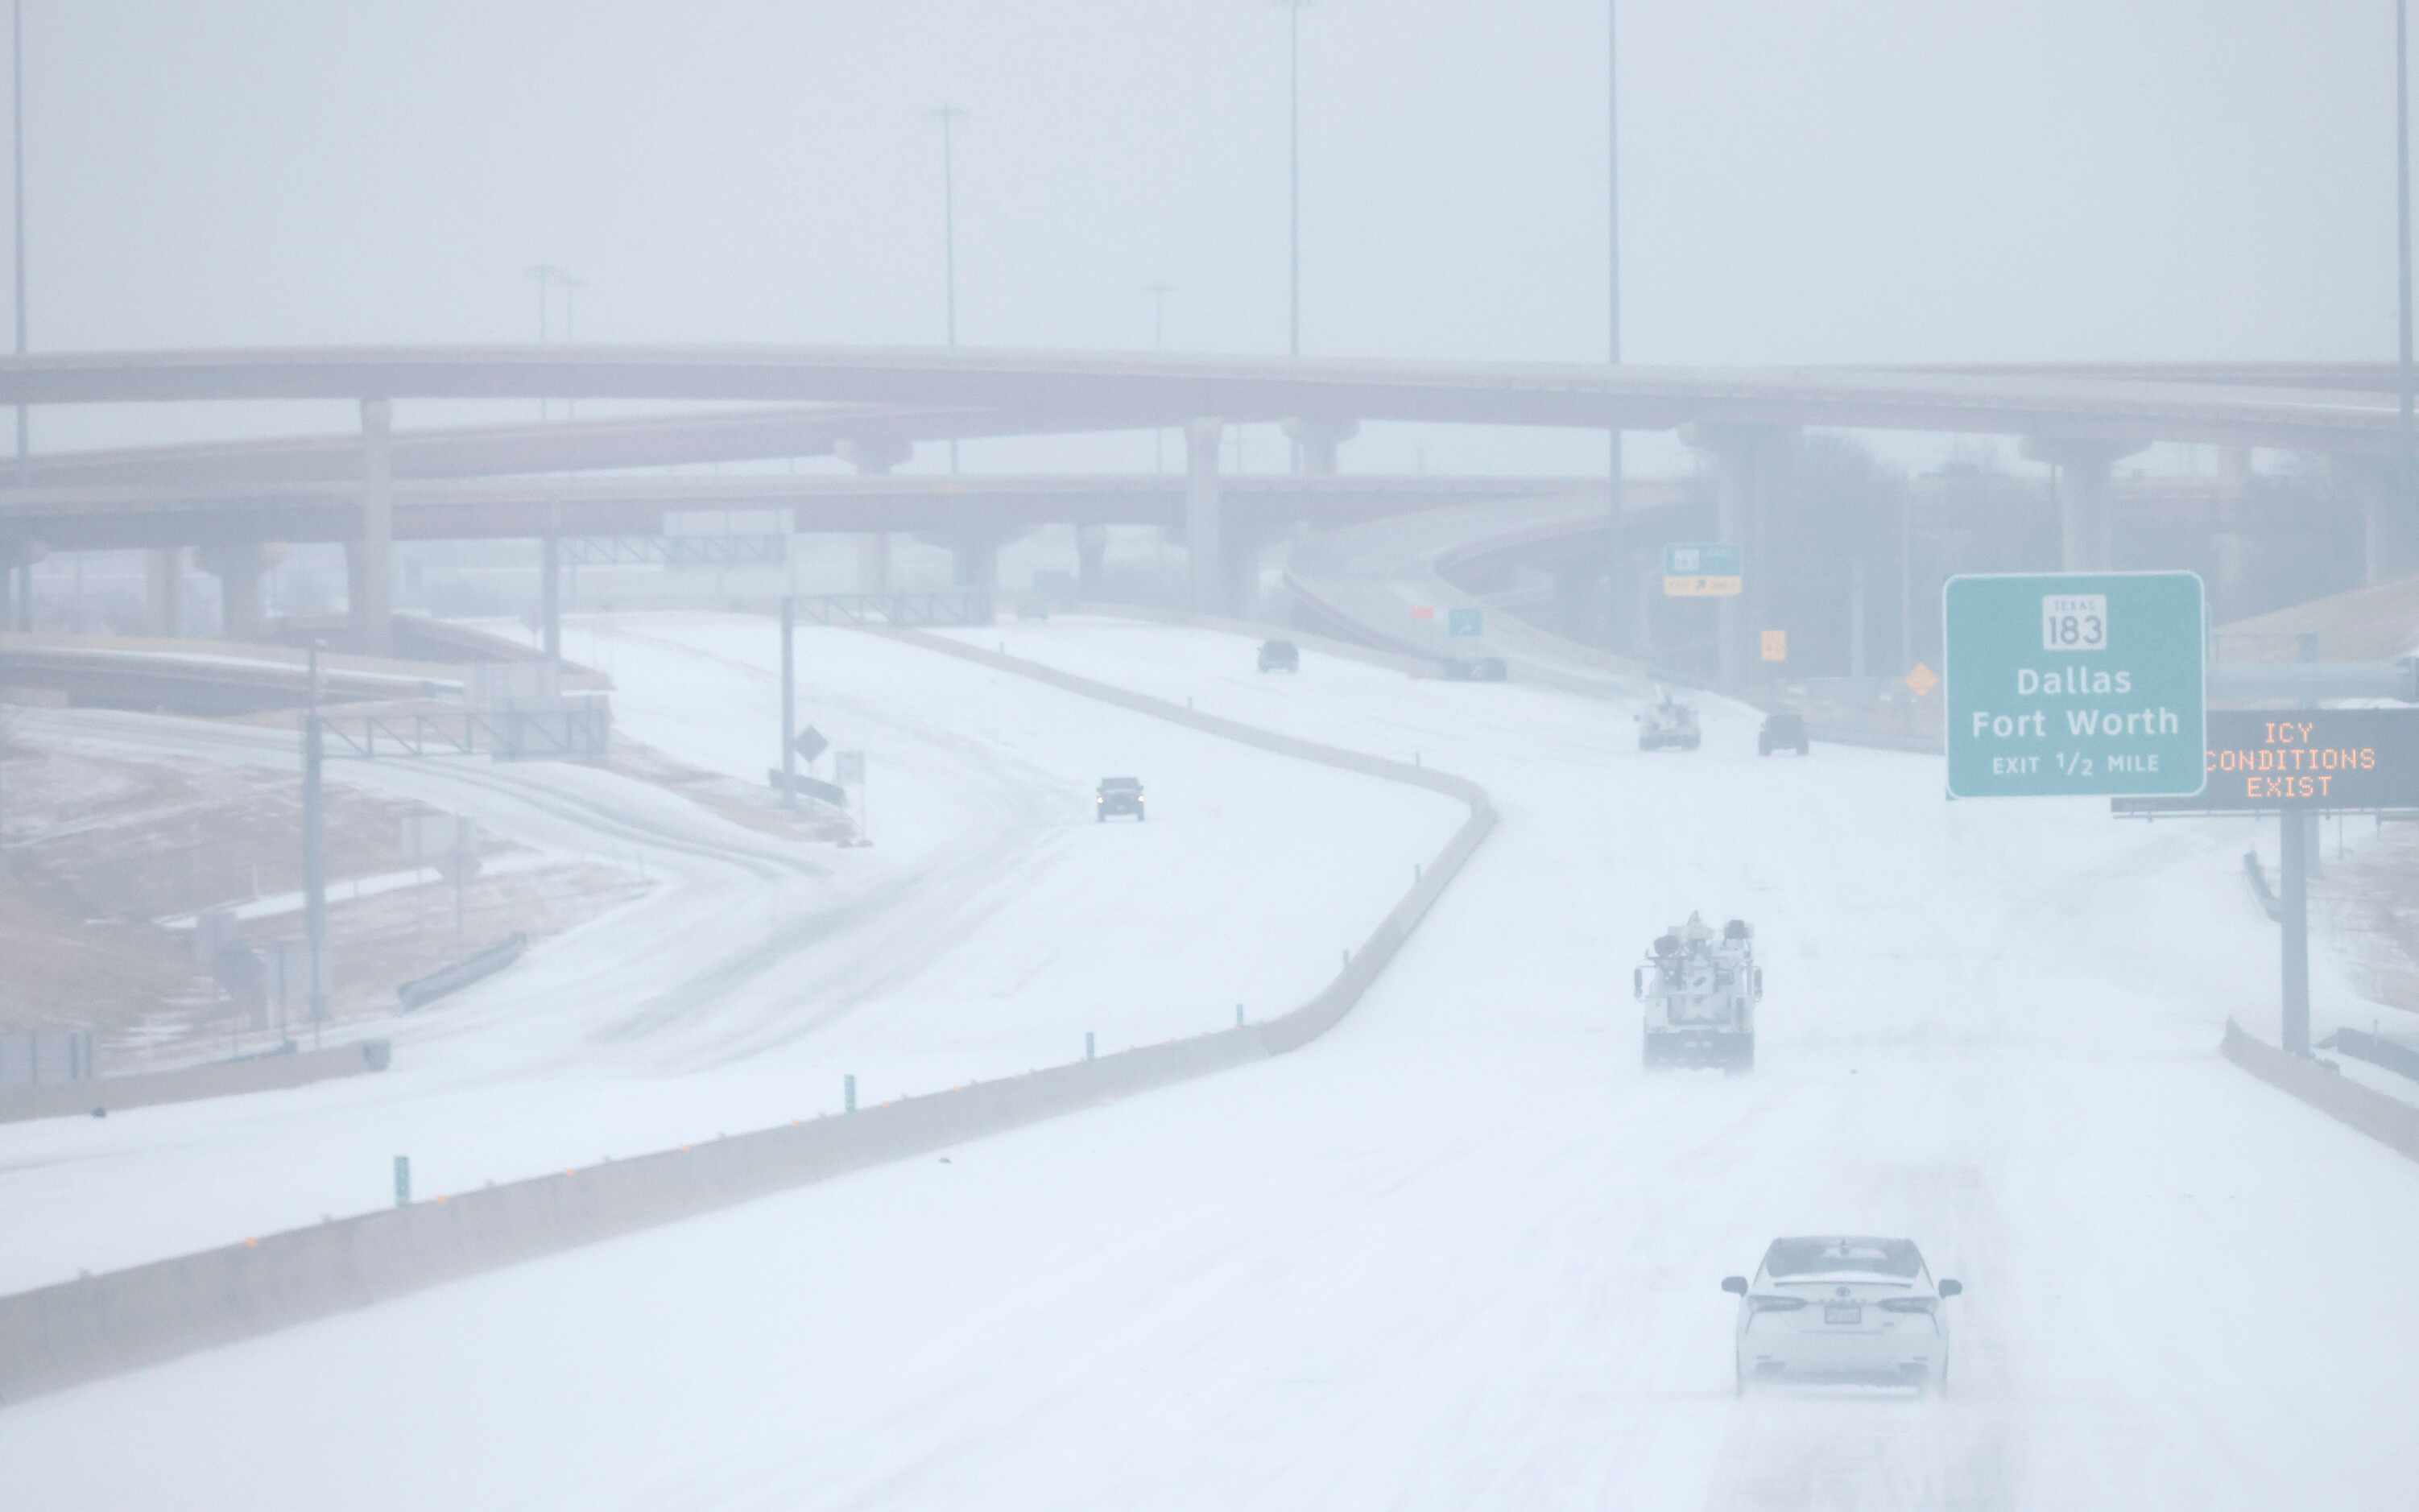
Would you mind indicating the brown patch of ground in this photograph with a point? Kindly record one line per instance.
(753, 805)
(2369, 902)
(105, 856)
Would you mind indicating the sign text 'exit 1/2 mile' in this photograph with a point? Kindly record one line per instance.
(2075, 684)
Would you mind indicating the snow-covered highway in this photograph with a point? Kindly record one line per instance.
(1462, 1252)
(988, 929)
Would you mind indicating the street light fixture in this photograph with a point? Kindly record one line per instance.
(1159, 293)
(2401, 232)
(949, 116)
(546, 275)
(1293, 185)
(571, 287)
(1618, 566)
(17, 147)
(1293, 197)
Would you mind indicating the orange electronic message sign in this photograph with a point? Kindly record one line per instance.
(2315, 759)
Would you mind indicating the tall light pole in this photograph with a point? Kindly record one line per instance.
(545, 275)
(1293, 186)
(571, 287)
(2401, 234)
(17, 145)
(949, 116)
(1293, 180)
(1619, 564)
(1159, 293)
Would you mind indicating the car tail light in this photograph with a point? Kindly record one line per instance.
(1906, 1305)
(1775, 1305)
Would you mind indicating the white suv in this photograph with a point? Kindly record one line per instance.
(1843, 1309)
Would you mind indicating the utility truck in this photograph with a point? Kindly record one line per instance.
(1698, 990)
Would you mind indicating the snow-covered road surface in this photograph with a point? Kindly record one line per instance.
(1463, 1251)
(989, 928)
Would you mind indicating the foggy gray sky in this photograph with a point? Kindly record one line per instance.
(1805, 180)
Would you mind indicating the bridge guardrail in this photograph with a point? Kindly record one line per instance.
(421, 991)
(2262, 893)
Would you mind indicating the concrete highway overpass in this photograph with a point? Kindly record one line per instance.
(2079, 420)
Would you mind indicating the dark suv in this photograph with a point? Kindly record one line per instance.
(1280, 657)
(1783, 731)
(1118, 795)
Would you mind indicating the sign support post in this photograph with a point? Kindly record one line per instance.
(788, 701)
(2298, 764)
(315, 870)
(2293, 833)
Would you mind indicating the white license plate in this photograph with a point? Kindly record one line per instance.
(1843, 1312)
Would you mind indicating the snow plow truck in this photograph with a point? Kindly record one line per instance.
(1698, 991)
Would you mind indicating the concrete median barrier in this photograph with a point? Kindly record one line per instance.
(225, 1078)
(96, 1326)
(2388, 1119)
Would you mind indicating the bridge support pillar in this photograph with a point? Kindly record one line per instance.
(1204, 537)
(550, 595)
(1645, 570)
(1751, 465)
(239, 570)
(974, 560)
(873, 454)
(17, 558)
(1239, 570)
(2389, 515)
(1576, 584)
(2085, 532)
(373, 603)
(1316, 444)
(1857, 595)
(163, 572)
(1092, 554)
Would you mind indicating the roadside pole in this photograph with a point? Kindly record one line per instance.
(788, 701)
(2293, 834)
(2299, 764)
(315, 876)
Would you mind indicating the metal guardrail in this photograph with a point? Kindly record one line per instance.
(579, 731)
(36, 1057)
(2262, 893)
(2377, 1050)
(942, 606)
(421, 991)
(2306, 682)
(808, 786)
(674, 551)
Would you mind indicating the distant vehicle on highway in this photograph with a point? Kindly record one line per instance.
(1118, 795)
(1783, 730)
(1827, 1309)
(1668, 724)
(1476, 670)
(1280, 657)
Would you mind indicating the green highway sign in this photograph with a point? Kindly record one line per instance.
(2074, 685)
(1705, 570)
(1465, 621)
